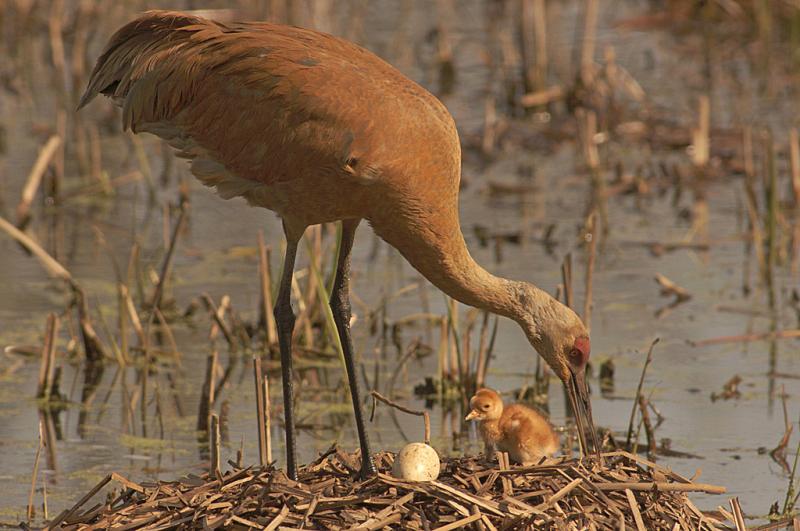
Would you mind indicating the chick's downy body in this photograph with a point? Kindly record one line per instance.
(516, 429)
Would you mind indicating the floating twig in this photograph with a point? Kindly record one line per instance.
(743, 338)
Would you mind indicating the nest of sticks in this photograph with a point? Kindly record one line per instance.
(625, 491)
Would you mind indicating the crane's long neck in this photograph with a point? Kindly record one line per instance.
(433, 243)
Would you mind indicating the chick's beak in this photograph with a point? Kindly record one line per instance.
(578, 393)
(471, 415)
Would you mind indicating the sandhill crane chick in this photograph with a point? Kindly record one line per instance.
(516, 429)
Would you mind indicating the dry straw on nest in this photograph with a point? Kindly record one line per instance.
(472, 493)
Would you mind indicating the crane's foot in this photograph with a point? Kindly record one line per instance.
(368, 469)
(291, 473)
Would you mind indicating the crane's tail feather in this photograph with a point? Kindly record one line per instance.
(134, 50)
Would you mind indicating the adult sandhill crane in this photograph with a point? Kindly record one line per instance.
(318, 129)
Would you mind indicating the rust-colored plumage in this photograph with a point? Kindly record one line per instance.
(516, 429)
(318, 129)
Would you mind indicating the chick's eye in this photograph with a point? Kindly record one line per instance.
(485, 406)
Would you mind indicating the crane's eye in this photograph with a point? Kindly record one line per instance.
(575, 356)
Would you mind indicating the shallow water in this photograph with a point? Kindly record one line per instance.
(216, 255)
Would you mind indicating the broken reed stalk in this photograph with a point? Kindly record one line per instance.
(591, 251)
(738, 516)
(55, 185)
(444, 47)
(778, 454)
(35, 474)
(267, 418)
(260, 411)
(133, 315)
(47, 367)
(794, 157)
(209, 390)
(489, 138)
(566, 276)
(791, 496)
(95, 350)
(55, 25)
(424, 414)
(34, 179)
(700, 134)
(586, 71)
(214, 442)
(457, 351)
(96, 157)
(122, 325)
(48, 262)
(158, 292)
(639, 391)
(771, 201)
(144, 165)
(443, 366)
(483, 349)
(218, 319)
(266, 290)
(648, 426)
(534, 44)
(162, 322)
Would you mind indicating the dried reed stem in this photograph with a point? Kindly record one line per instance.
(215, 445)
(48, 362)
(166, 264)
(639, 391)
(55, 24)
(260, 412)
(648, 426)
(267, 418)
(266, 290)
(794, 157)
(218, 319)
(162, 321)
(738, 516)
(133, 315)
(34, 179)
(771, 201)
(209, 390)
(34, 474)
(566, 276)
(534, 44)
(591, 251)
(700, 134)
(588, 44)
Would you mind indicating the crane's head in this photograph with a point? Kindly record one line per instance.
(560, 337)
(486, 404)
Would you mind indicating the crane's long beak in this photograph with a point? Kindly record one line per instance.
(578, 393)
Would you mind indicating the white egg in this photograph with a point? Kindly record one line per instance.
(416, 462)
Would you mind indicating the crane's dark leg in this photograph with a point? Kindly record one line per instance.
(340, 307)
(284, 322)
